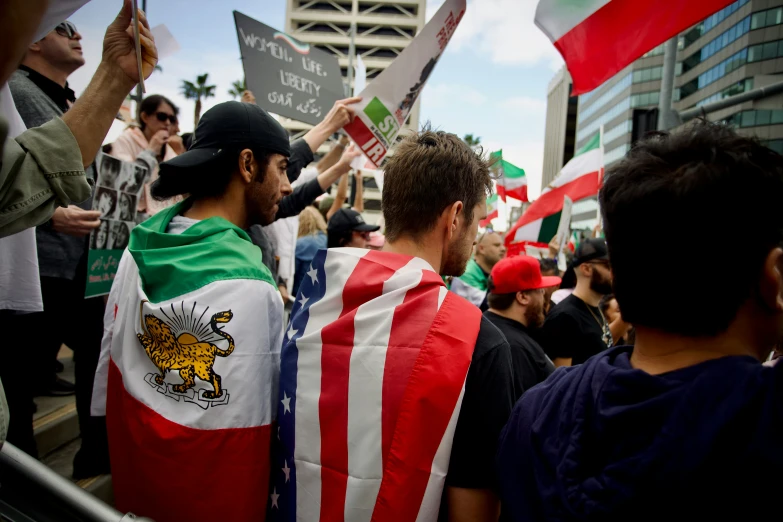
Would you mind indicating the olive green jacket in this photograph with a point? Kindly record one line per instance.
(41, 170)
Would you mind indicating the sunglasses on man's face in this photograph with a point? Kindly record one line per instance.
(162, 117)
(66, 29)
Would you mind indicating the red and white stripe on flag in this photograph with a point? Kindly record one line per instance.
(372, 375)
(597, 38)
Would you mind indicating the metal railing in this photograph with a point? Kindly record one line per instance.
(31, 492)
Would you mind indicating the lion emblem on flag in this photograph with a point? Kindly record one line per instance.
(190, 352)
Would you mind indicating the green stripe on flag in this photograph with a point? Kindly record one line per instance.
(592, 144)
(549, 226)
(506, 168)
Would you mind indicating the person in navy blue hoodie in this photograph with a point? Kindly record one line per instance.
(687, 424)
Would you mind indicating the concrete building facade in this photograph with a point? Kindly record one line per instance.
(560, 131)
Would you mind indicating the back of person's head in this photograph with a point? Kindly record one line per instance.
(149, 106)
(500, 302)
(429, 172)
(338, 238)
(310, 222)
(704, 192)
(549, 267)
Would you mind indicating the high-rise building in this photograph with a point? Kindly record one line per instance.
(560, 133)
(737, 49)
(383, 29)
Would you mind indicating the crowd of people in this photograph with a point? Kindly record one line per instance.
(266, 353)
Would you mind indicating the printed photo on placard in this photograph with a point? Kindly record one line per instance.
(126, 210)
(100, 236)
(109, 171)
(120, 234)
(136, 179)
(105, 201)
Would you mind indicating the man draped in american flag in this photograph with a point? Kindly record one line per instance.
(393, 391)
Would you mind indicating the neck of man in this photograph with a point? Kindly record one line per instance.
(482, 262)
(226, 206)
(585, 293)
(421, 249)
(47, 70)
(657, 351)
(512, 313)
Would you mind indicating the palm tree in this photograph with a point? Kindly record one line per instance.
(471, 140)
(197, 91)
(237, 88)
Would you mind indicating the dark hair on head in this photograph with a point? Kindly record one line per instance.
(428, 172)
(548, 266)
(569, 278)
(338, 238)
(706, 184)
(499, 301)
(207, 180)
(603, 304)
(112, 196)
(150, 104)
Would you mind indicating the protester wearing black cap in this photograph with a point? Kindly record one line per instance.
(347, 228)
(575, 329)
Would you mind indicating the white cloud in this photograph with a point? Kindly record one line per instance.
(526, 104)
(452, 95)
(223, 68)
(502, 30)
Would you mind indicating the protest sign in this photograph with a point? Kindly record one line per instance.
(387, 101)
(563, 231)
(118, 187)
(287, 77)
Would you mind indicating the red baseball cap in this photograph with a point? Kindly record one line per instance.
(519, 273)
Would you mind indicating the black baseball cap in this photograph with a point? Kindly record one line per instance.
(590, 250)
(229, 125)
(348, 219)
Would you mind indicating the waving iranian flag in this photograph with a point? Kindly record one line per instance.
(511, 181)
(597, 38)
(578, 179)
(492, 210)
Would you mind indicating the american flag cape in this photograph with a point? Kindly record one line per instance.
(373, 370)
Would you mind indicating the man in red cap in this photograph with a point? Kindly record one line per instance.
(517, 305)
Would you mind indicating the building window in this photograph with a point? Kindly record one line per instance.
(776, 145)
(618, 130)
(755, 118)
(614, 111)
(645, 98)
(766, 18)
(656, 51)
(736, 31)
(737, 88)
(616, 89)
(615, 154)
(715, 73)
(709, 23)
(648, 74)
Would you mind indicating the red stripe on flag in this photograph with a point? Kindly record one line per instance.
(365, 283)
(519, 193)
(411, 322)
(166, 471)
(620, 32)
(430, 397)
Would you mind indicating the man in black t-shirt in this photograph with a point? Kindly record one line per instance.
(575, 329)
(516, 306)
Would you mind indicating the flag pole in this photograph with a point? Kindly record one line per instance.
(665, 107)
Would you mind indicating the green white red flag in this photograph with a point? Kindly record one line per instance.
(492, 210)
(511, 180)
(578, 179)
(597, 38)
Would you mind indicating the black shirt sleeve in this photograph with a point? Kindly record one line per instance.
(301, 156)
(486, 406)
(559, 336)
(296, 202)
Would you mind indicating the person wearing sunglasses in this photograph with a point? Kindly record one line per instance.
(347, 228)
(148, 141)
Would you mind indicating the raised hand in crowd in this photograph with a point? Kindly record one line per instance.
(554, 247)
(75, 221)
(339, 116)
(248, 97)
(175, 142)
(159, 139)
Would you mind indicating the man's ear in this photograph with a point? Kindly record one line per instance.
(35, 46)
(771, 282)
(523, 298)
(245, 164)
(452, 216)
